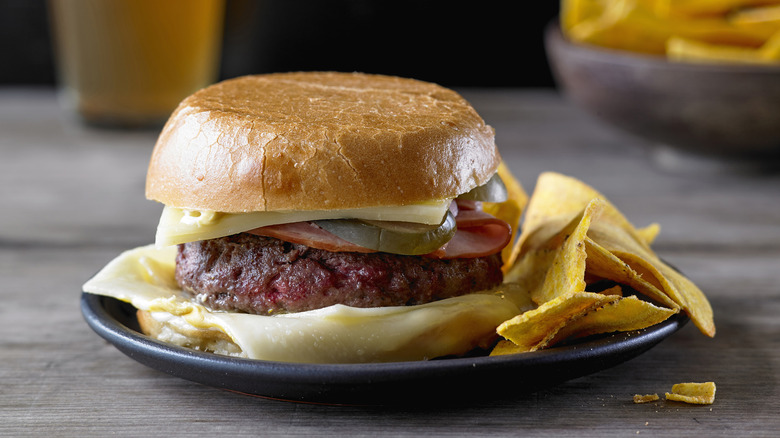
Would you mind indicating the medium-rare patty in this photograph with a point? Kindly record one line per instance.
(261, 275)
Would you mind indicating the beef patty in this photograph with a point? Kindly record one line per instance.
(262, 275)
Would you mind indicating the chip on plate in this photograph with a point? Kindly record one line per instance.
(558, 196)
(572, 239)
(534, 329)
(625, 314)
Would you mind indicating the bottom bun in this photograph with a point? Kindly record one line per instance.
(144, 277)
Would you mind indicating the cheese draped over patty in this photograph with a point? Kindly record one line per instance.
(144, 277)
(178, 225)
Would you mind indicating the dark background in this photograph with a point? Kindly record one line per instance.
(478, 43)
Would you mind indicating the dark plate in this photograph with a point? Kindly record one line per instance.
(443, 380)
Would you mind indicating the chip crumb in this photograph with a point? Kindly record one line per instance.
(647, 398)
(693, 393)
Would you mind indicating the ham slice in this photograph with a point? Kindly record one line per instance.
(309, 234)
(479, 234)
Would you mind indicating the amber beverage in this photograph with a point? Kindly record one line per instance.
(130, 62)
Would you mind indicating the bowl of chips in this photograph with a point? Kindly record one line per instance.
(693, 75)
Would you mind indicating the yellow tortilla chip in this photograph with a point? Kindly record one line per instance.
(529, 272)
(605, 265)
(695, 393)
(647, 398)
(557, 197)
(770, 51)
(760, 14)
(574, 316)
(574, 12)
(623, 315)
(614, 290)
(556, 202)
(686, 50)
(554, 275)
(504, 347)
(671, 282)
(545, 249)
(572, 237)
(626, 25)
(649, 233)
(651, 269)
(566, 274)
(645, 26)
(535, 328)
(707, 8)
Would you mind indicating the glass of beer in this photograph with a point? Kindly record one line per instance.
(128, 63)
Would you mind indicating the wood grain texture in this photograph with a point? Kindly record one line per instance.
(72, 198)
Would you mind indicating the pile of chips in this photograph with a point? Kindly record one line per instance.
(587, 270)
(730, 31)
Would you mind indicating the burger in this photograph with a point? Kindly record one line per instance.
(321, 217)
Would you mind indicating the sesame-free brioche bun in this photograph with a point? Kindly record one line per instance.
(319, 141)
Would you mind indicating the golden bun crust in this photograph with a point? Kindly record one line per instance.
(319, 141)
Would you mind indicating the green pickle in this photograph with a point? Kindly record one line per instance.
(409, 238)
(404, 238)
(493, 190)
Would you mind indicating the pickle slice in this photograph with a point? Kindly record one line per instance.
(493, 190)
(404, 238)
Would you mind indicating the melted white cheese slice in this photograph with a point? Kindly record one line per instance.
(181, 225)
(144, 277)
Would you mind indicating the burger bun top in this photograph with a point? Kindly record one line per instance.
(319, 141)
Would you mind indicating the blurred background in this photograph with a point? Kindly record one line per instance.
(456, 44)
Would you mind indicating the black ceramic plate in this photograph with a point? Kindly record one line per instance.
(443, 380)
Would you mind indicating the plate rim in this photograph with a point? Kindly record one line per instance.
(204, 367)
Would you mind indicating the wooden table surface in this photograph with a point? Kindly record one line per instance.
(72, 198)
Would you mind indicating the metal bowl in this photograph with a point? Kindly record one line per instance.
(707, 109)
